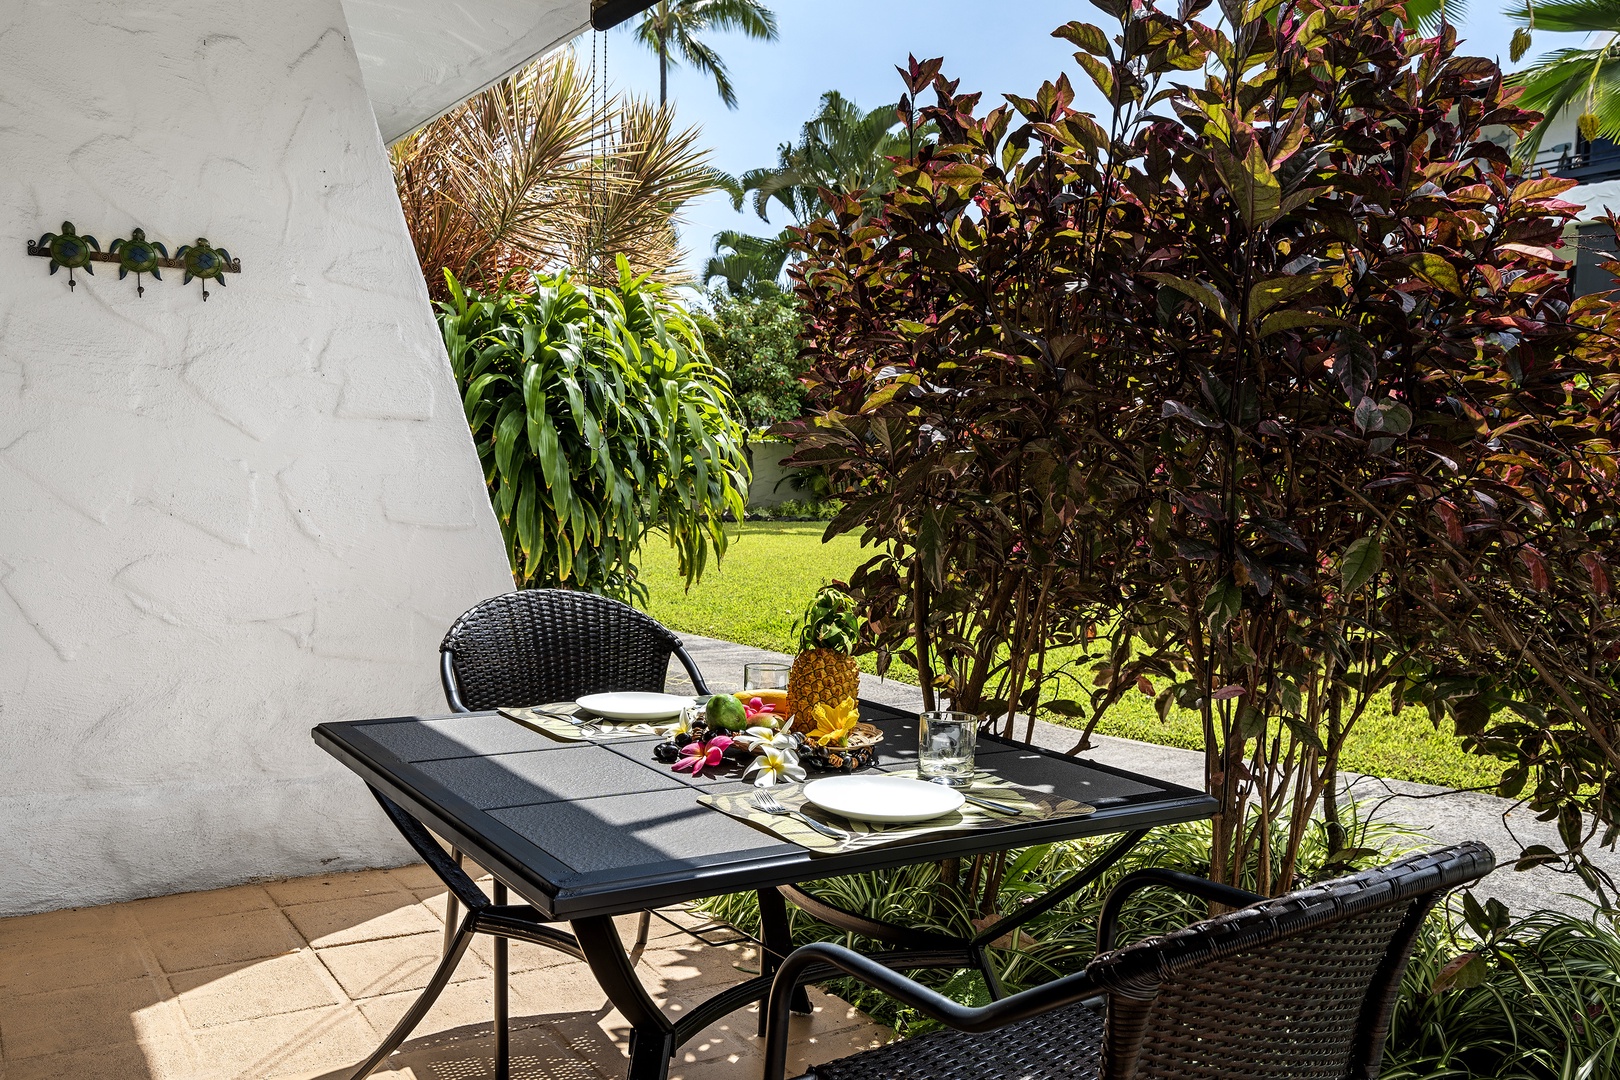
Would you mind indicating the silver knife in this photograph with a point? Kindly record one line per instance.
(990, 804)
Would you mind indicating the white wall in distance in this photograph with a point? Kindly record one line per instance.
(221, 522)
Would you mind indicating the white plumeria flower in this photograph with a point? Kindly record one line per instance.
(756, 737)
(680, 726)
(775, 765)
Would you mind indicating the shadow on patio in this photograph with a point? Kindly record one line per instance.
(303, 978)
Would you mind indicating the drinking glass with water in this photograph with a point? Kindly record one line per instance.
(945, 742)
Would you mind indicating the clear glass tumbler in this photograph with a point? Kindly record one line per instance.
(945, 742)
(765, 676)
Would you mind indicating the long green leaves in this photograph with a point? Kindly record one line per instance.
(599, 420)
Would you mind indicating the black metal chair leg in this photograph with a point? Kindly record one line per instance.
(502, 1046)
(430, 993)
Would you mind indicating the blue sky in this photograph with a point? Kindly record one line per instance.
(853, 46)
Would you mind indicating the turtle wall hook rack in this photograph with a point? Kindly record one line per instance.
(134, 254)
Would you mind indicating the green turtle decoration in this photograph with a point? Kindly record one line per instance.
(67, 248)
(137, 255)
(204, 262)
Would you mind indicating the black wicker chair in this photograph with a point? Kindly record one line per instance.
(1296, 988)
(539, 646)
(546, 645)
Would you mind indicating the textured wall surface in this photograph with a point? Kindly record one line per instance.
(221, 522)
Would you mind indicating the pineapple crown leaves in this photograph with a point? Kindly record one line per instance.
(830, 622)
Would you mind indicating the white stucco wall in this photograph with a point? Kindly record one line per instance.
(220, 523)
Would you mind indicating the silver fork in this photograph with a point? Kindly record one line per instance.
(766, 802)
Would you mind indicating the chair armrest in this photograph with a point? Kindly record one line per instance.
(691, 667)
(1170, 879)
(823, 958)
(447, 677)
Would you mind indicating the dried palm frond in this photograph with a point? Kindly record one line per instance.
(516, 176)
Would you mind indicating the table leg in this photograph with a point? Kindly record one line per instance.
(652, 1036)
(452, 906)
(502, 1046)
(413, 1015)
(778, 942)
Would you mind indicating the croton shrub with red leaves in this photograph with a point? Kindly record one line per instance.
(1263, 394)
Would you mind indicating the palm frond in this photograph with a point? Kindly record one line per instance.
(515, 179)
(1570, 16)
(1427, 15)
(1561, 81)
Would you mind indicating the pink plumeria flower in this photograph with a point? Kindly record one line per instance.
(696, 756)
(754, 708)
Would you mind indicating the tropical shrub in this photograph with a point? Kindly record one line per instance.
(540, 171)
(1492, 997)
(599, 421)
(754, 339)
(1268, 407)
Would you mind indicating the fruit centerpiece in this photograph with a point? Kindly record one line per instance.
(824, 672)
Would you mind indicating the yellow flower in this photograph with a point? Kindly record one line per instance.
(834, 725)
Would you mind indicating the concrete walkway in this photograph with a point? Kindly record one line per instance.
(1443, 815)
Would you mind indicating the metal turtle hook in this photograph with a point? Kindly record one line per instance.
(137, 255)
(67, 248)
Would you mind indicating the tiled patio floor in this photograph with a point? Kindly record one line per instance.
(303, 978)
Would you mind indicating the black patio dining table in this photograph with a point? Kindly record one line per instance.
(584, 831)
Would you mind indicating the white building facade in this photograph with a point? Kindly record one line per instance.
(223, 522)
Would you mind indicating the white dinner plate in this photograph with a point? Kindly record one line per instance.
(634, 705)
(888, 800)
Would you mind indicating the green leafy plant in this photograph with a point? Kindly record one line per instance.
(1490, 997)
(754, 339)
(1269, 410)
(599, 421)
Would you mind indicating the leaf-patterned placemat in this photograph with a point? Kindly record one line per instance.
(567, 722)
(1032, 806)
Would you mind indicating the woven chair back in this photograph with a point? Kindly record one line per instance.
(537, 646)
(1297, 988)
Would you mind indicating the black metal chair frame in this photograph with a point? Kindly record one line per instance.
(1135, 973)
(496, 917)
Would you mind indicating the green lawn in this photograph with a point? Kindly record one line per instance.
(773, 568)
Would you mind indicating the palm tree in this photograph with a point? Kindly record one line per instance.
(1558, 80)
(843, 149)
(536, 173)
(749, 265)
(678, 24)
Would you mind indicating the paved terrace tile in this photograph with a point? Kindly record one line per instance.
(300, 980)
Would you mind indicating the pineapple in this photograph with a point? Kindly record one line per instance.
(824, 673)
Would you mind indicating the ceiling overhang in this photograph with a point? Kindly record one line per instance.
(421, 58)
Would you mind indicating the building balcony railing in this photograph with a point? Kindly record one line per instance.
(1588, 163)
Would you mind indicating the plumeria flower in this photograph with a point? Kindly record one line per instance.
(756, 710)
(697, 755)
(775, 765)
(756, 737)
(680, 726)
